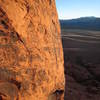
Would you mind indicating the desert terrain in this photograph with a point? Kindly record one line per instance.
(82, 64)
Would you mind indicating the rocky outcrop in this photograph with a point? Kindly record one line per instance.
(31, 57)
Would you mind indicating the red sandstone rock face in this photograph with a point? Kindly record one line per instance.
(31, 57)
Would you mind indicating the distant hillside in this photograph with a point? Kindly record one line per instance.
(88, 23)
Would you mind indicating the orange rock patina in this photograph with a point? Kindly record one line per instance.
(31, 55)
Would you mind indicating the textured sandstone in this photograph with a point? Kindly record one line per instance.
(31, 57)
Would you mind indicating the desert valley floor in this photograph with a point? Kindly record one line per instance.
(82, 64)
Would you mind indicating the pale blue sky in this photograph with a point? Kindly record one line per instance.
(68, 9)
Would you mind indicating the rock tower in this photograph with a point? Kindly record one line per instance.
(31, 55)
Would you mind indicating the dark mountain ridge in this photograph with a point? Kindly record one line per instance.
(87, 23)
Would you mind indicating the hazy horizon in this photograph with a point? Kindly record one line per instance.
(80, 17)
(72, 9)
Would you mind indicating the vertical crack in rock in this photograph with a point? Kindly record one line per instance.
(50, 2)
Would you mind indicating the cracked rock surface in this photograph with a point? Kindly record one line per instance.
(31, 55)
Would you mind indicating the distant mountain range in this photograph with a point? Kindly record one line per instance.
(87, 23)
